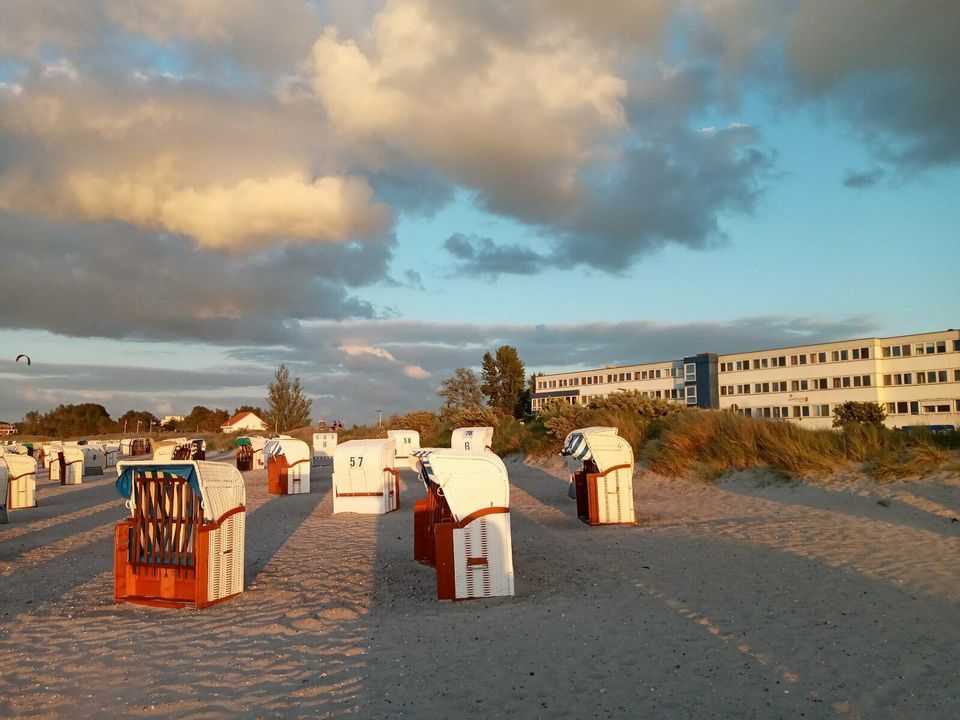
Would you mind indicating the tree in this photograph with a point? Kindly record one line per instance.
(128, 421)
(258, 411)
(858, 413)
(460, 390)
(503, 380)
(203, 419)
(288, 407)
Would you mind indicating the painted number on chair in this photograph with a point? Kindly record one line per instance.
(356, 461)
(466, 445)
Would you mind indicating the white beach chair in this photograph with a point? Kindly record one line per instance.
(472, 439)
(288, 466)
(324, 444)
(407, 442)
(463, 526)
(184, 541)
(365, 477)
(603, 482)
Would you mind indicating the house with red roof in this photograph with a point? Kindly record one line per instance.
(243, 422)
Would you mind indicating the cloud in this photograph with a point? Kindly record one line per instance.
(886, 69)
(863, 179)
(112, 280)
(481, 256)
(358, 350)
(350, 385)
(411, 371)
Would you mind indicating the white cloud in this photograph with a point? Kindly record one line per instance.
(416, 372)
(357, 350)
(252, 212)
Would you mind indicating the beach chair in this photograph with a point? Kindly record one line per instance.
(472, 439)
(141, 446)
(603, 482)
(67, 467)
(18, 480)
(324, 443)
(288, 466)
(406, 441)
(365, 477)
(94, 460)
(466, 519)
(244, 455)
(184, 541)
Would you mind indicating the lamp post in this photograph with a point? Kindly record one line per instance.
(379, 418)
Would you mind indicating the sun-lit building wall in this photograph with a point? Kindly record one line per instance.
(915, 377)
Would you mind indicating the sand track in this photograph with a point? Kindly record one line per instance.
(735, 600)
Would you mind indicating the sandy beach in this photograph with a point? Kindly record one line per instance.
(750, 598)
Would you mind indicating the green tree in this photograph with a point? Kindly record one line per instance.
(858, 413)
(460, 390)
(503, 380)
(203, 419)
(128, 421)
(288, 407)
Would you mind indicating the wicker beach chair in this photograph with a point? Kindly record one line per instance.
(365, 477)
(288, 466)
(472, 439)
(603, 482)
(462, 527)
(184, 541)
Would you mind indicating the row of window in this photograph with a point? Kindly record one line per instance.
(783, 411)
(687, 372)
(931, 347)
(924, 407)
(802, 359)
(922, 377)
(847, 381)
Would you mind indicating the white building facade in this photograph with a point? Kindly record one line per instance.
(916, 378)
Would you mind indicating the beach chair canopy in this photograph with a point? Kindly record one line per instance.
(600, 444)
(218, 485)
(470, 481)
(18, 465)
(406, 441)
(294, 450)
(358, 465)
(474, 439)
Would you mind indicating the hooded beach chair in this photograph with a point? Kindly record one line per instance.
(66, 466)
(462, 528)
(324, 443)
(18, 482)
(603, 483)
(141, 446)
(365, 477)
(184, 541)
(94, 460)
(472, 439)
(288, 466)
(407, 442)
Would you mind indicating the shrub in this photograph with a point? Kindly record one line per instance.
(858, 413)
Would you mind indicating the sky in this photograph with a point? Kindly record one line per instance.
(378, 192)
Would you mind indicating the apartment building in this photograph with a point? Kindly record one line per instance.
(915, 377)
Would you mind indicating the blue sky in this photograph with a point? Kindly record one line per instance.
(377, 193)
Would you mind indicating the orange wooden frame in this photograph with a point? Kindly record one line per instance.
(171, 576)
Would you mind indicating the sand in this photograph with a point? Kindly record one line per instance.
(748, 598)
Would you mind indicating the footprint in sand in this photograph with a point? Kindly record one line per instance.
(340, 613)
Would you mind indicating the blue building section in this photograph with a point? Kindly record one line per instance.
(705, 380)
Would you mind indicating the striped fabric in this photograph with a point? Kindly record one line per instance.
(424, 456)
(576, 447)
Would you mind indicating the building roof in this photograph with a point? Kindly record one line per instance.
(240, 416)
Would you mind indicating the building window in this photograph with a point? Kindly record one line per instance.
(914, 407)
(692, 395)
(891, 408)
(901, 408)
(956, 345)
(690, 372)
